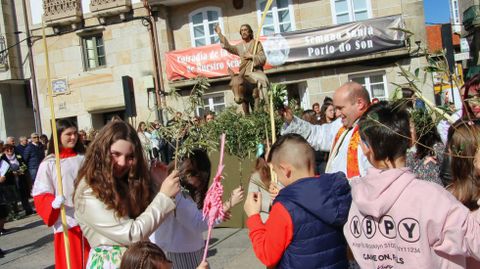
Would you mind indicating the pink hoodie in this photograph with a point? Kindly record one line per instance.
(398, 221)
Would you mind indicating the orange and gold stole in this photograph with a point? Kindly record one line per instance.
(353, 169)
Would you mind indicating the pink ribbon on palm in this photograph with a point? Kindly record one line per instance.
(213, 205)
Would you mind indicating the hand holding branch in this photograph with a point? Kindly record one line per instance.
(253, 203)
(171, 185)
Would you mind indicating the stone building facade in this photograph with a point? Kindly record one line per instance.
(16, 107)
(92, 44)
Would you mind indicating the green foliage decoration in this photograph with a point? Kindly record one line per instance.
(243, 132)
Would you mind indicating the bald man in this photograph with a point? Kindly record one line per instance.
(341, 137)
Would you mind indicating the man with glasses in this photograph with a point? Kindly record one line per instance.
(34, 154)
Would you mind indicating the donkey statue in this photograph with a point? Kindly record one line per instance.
(245, 92)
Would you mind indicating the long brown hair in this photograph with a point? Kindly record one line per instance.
(128, 196)
(463, 143)
(323, 112)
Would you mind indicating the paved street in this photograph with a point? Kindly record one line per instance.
(30, 245)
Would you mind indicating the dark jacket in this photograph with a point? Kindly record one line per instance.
(34, 155)
(319, 208)
(19, 149)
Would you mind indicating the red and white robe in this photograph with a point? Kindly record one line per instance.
(44, 192)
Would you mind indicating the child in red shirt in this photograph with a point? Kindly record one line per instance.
(304, 229)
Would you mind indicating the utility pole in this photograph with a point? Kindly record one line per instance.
(33, 80)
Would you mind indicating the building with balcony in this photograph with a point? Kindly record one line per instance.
(16, 107)
(93, 44)
(312, 74)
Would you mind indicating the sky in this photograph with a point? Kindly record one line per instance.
(437, 11)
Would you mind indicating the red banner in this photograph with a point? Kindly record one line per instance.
(210, 61)
(318, 44)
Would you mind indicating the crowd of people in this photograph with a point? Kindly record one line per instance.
(19, 163)
(390, 194)
(155, 145)
(23, 160)
(384, 201)
(115, 193)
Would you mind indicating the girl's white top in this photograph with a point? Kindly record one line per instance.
(183, 231)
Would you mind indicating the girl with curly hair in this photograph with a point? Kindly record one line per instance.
(115, 200)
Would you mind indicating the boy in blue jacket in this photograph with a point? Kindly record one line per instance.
(304, 229)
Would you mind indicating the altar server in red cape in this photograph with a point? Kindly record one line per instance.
(48, 201)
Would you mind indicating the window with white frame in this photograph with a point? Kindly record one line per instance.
(375, 84)
(93, 51)
(279, 17)
(214, 103)
(350, 10)
(202, 26)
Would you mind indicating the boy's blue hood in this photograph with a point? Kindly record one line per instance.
(327, 197)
